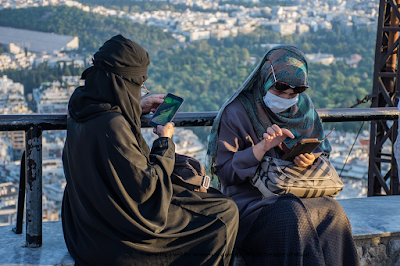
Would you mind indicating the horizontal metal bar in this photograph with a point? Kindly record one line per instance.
(391, 29)
(187, 119)
(387, 74)
(358, 114)
(195, 119)
(25, 122)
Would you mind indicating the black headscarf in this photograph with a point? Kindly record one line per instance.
(113, 84)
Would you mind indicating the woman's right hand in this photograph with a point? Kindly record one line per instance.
(272, 138)
(165, 131)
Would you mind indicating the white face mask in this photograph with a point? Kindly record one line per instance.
(278, 104)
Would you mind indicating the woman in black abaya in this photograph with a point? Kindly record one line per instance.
(120, 206)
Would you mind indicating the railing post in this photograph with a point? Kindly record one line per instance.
(34, 186)
(21, 195)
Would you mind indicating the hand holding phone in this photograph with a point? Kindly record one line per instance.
(303, 146)
(167, 110)
(164, 131)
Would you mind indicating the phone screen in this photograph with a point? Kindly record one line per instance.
(167, 110)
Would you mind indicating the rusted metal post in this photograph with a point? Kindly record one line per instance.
(34, 187)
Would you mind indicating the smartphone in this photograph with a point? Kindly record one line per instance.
(301, 147)
(167, 110)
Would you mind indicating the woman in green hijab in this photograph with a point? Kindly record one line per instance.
(270, 109)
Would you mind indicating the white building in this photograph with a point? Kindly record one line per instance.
(12, 101)
(8, 202)
(53, 97)
(325, 59)
(302, 28)
(196, 35)
(284, 28)
(7, 63)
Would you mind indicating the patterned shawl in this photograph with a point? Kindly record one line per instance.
(302, 119)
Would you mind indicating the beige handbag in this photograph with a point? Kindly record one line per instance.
(276, 176)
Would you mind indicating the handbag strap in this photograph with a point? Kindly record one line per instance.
(256, 182)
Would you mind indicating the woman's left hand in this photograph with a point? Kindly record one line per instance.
(304, 160)
(151, 103)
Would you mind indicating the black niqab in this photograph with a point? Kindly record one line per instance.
(113, 84)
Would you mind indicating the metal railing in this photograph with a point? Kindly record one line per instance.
(34, 125)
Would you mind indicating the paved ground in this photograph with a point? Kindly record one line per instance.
(53, 251)
(374, 216)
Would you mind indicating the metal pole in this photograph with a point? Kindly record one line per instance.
(385, 86)
(21, 195)
(391, 66)
(392, 59)
(34, 187)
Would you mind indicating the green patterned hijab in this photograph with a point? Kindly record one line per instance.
(290, 66)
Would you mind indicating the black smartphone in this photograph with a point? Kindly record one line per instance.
(167, 110)
(301, 147)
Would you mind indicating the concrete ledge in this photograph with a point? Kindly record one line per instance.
(373, 216)
(375, 223)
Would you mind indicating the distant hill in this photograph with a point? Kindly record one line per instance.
(207, 72)
(91, 29)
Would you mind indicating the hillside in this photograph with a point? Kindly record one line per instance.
(92, 29)
(207, 72)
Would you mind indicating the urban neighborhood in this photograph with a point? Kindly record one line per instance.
(216, 20)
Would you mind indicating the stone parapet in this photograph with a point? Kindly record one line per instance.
(379, 250)
(375, 223)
